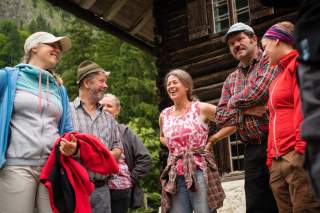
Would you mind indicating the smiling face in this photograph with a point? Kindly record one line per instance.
(46, 56)
(175, 88)
(110, 105)
(242, 46)
(96, 86)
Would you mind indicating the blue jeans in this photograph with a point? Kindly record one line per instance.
(187, 201)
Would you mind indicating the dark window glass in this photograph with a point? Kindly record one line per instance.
(241, 3)
(221, 15)
(244, 17)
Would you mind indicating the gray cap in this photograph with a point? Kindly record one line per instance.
(238, 27)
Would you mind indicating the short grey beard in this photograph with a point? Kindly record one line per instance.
(95, 96)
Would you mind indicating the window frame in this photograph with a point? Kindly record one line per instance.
(232, 15)
(238, 157)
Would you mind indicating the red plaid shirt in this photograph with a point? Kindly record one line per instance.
(244, 89)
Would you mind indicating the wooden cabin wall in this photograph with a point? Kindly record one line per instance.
(185, 39)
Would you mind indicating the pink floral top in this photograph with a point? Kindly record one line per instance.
(121, 180)
(184, 132)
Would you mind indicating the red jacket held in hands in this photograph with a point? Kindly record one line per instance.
(67, 180)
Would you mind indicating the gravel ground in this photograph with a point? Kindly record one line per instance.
(235, 198)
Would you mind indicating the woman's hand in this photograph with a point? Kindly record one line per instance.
(209, 146)
(211, 141)
(68, 148)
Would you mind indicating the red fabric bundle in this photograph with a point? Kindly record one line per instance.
(67, 180)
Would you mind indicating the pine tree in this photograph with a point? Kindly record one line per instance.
(11, 43)
(83, 41)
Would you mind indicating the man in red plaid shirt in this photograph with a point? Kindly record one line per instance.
(243, 106)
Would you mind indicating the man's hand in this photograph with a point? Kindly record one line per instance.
(258, 111)
(220, 135)
(68, 148)
(116, 152)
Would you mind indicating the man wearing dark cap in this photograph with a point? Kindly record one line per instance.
(243, 105)
(88, 117)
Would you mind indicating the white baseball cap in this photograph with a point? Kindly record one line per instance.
(238, 27)
(46, 38)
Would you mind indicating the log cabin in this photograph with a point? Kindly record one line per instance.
(183, 34)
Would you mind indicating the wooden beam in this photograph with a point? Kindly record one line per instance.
(213, 101)
(212, 78)
(86, 4)
(208, 92)
(76, 1)
(232, 11)
(210, 65)
(113, 9)
(142, 21)
(97, 21)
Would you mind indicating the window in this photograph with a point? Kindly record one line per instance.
(228, 12)
(242, 11)
(236, 150)
(221, 15)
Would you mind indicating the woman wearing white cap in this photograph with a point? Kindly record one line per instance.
(34, 112)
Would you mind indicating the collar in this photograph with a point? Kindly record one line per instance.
(284, 61)
(77, 103)
(255, 60)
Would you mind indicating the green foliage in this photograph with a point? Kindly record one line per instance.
(134, 82)
(11, 43)
(83, 48)
(132, 79)
(40, 24)
(33, 26)
(132, 76)
(34, 3)
(149, 136)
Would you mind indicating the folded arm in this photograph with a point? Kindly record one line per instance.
(256, 91)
